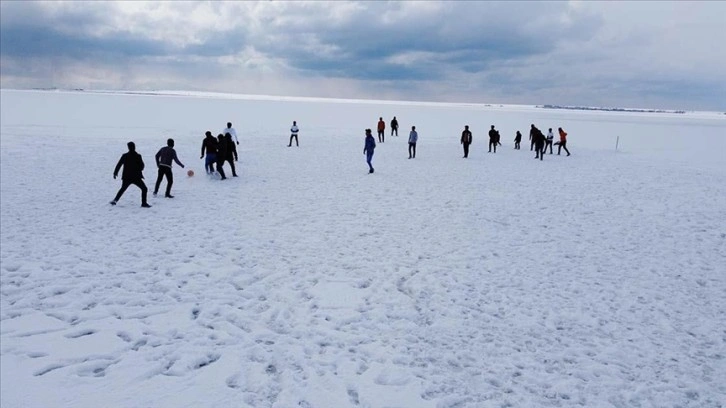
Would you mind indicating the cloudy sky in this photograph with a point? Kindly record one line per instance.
(647, 54)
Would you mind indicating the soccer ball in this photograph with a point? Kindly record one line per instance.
(190, 173)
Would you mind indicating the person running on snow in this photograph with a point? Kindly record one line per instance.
(229, 129)
(394, 126)
(231, 155)
(209, 145)
(133, 166)
(562, 144)
(549, 140)
(164, 157)
(293, 133)
(381, 130)
(221, 155)
(517, 140)
(466, 139)
(492, 139)
(412, 139)
(368, 149)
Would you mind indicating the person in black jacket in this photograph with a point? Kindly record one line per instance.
(531, 137)
(493, 139)
(164, 157)
(209, 145)
(539, 142)
(466, 139)
(221, 155)
(517, 140)
(133, 166)
(231, 155)
(394, 126)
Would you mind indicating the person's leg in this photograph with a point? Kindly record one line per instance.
(124, 185)
(564, 146)
(410, 146)
(296, 143)
(169, 181)
(414, 150)
(466, 150)
(159, 176)
(231, 165)
(144, 191)
(220, 168)
(290, 144)
(369, 160)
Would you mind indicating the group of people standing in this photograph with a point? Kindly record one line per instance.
(370, 142)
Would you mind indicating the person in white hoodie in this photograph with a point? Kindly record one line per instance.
(412, 139)
(293, 134)
(229, 129)
(548, 141)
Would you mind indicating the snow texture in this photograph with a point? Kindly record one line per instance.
(595, 280)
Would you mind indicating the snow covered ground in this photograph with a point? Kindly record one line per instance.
(596, 280)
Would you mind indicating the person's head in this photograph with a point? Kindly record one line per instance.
(170, 142)
(208, 133)
(220, 137)
(532, 125)
(132, 146)
(560, 129)
(294, 123)
(228, 135)
(368, 132)
(380, 118)
(466, 127)
(550, 129)
(413, 127)
(492, 126)
(229, 124)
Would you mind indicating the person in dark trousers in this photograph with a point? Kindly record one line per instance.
(531, 137)
(293, 134)
(493, 139)
(221, 155)
(548, 141)
(133, 166)
(381, 130)
(412, 139)
(517, 140)
(466, 139)
(231, 155)
(562, 144)
(539, 142)
(164, 157)
(394, 126)
(368, 150)
(209, 145)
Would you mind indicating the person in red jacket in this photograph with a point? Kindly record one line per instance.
(562, 144)
(381, 130)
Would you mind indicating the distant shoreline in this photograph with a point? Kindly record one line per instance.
(348, 100)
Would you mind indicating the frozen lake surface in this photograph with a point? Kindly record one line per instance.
(595, 280)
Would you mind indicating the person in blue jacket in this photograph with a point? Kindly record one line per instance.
(369, 148)
(412, 139)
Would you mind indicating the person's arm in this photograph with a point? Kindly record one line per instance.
(204, 145)
(118, 166)
(141, 160)
(177, 160)
(158, 155)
